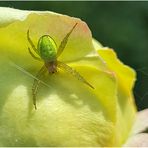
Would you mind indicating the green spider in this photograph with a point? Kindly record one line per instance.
(49, 53)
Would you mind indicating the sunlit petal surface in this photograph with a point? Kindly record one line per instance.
(69, 113)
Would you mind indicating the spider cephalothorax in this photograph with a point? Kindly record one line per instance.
(51, 66)
(48, 53)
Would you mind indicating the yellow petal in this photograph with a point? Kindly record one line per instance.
(69, 113)
(125, 80)
(15, 24)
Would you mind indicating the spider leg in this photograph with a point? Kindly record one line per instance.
(36, 58)
(36, 83)
(64, 41)
(31, 43)
(73, 72)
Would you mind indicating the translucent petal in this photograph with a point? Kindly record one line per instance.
(15, 24)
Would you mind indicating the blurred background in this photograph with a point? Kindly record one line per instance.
(122, 26)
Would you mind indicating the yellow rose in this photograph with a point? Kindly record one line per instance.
(69, 113)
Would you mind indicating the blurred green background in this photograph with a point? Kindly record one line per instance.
(119, 25)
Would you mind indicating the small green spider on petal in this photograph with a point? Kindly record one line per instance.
(48, 53)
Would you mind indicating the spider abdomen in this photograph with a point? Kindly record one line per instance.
(47, 48)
